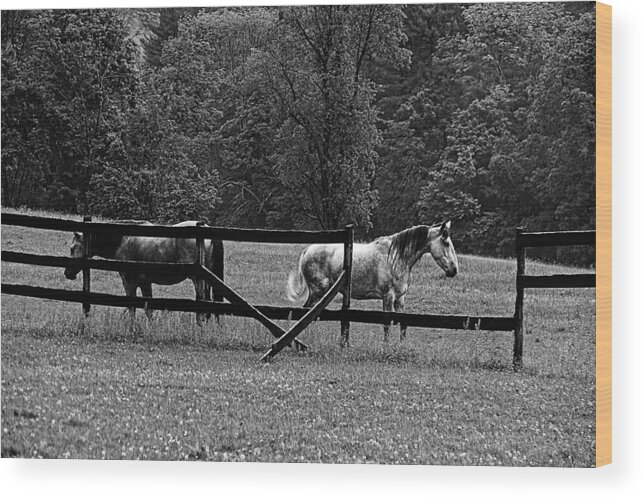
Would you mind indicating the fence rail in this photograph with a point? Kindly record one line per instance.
(106, 264)
(563, 238)
(205, 232)
(464, 322)
(557, 281)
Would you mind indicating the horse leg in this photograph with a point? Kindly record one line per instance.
(199, 297)
(387, 306)
(130, 291)
(146, 291)
(398, 305)
(208, 297)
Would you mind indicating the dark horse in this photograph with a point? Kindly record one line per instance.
(147, 249)
(381, 269)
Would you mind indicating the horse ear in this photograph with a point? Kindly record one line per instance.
(77, 235)
(445, 230)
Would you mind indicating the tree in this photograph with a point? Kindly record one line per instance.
(244, 133)
(561, 131)
(163, 167)
(311, 75)
(68, 79)
(383, 116)
(24, 148)
(521, 94)
(416, 104)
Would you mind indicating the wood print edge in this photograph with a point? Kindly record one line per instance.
(603, 234)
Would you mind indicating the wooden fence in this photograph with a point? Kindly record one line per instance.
(200, 233)
(238, 306)
(526, 240)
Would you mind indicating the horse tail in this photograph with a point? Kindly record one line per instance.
(298, 290)
(216, 267)
(217, 257)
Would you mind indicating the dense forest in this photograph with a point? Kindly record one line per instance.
(384, 116)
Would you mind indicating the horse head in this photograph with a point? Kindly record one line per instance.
(442, 250)
(77, 250)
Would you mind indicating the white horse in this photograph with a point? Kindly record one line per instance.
(381, 269)
(148, 249)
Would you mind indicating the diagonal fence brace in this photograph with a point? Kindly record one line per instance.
(306, 320)
(235, 298)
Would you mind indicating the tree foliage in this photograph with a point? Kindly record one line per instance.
(506, 122)
(314, 116)
(311, 75)
(68, 78)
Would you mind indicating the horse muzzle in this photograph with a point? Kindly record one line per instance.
(70, 274)
(451, 273)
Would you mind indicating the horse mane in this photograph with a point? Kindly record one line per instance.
(406, 244)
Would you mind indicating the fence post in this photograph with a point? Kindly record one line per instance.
(217, 270)
(87, 246)
(348, 265)
(200, 258)
(521, 254)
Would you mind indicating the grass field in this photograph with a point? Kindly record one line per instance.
(90, 389)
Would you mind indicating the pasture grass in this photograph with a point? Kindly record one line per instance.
(89, 388)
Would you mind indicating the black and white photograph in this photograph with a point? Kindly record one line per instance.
(340, 234)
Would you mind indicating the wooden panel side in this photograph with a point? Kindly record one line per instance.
(603, 234)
